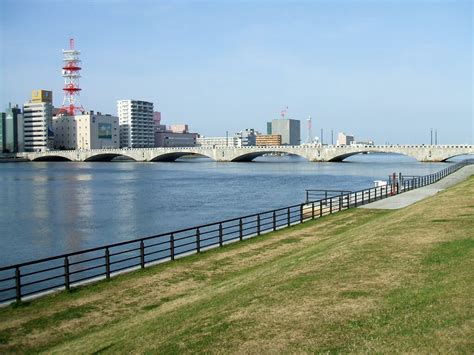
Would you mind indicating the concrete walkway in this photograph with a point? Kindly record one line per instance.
(410, 197)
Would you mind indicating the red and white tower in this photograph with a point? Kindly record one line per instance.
(71, 75)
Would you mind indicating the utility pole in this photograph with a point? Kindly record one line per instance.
(322, 136)
(431, 136)
(436, 136)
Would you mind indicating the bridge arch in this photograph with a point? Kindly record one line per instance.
(106, 157)
(48, 157)
(341, 157)
(246, 157)
(173, 156)
(471, 155)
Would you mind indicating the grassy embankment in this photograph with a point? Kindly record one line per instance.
(360, 280)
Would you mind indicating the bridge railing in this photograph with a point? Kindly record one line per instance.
(21, 281)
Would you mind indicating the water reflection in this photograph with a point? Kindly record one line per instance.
(61, 207)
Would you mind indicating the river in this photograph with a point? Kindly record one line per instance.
(50, 208)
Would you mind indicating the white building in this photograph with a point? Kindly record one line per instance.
(37, 121)
(214, 142)
(247, 138)
(344, 139)
(136, 123)
(87, 131)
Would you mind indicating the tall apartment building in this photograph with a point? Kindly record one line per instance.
(12, 130)
(37, 121)
(289, 130)
(86, 131)
(136, 121)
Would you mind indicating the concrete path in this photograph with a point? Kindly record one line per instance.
(410, 197)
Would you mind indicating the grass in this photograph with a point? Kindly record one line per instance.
(357, 281)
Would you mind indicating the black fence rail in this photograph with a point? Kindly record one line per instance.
(24, 280)
(314, 195)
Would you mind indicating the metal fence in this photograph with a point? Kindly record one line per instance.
(19, 281)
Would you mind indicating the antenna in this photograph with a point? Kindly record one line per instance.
(71, 76)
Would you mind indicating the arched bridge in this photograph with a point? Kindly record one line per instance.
(316, 153)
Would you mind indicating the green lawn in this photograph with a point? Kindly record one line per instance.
(357, 281)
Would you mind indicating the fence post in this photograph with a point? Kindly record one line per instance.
(220, 234)
(258, 224)
(274, 221)
(198, 240)
(288, 216)
(18, 284)
(66, 273)
(340, 203)
(355, 199)
(330, 205)
(312, 210)
(241, 232)
(172, 246)
(320, 208)
(107, 263)
(142, 254)
(301, 213)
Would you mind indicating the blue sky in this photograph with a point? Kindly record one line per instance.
(389, 71)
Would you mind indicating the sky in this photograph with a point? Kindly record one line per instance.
(384, 70)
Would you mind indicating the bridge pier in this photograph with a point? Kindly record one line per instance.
(313, 153)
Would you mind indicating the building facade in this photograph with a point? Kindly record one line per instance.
(344, 139)
(87, 131)
(2, 132)
(263, 140)
(247, 138)
(37, 121)
(171, 139)
(13, 130)
(214, 142)
(289, 130)
(137, 121)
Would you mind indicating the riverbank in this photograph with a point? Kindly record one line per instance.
(410, 197)
(359, 280)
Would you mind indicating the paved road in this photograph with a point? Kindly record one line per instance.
(410, 197)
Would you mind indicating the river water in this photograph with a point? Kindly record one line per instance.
(51, 208)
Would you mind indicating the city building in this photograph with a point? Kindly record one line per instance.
(179, 128)
(177, 135)
(12, 130)
(156, 118)
(247, 138)
(86, 131)
(136, 119)
(269, 128)
(171, 139)
(263, 140)
(2, 132)
(37, 121)
(289, 130)
(214, 142)
(344, 139)
(367, 142)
